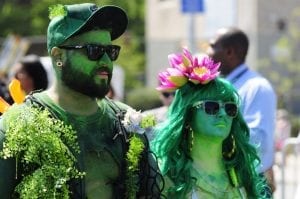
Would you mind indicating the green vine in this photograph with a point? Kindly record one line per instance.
(136, 146)
(45, 147)
(137, 124)
(148, 121)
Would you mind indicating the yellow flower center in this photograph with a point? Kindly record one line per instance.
(201, 70)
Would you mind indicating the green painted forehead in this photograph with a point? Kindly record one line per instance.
(92, 37)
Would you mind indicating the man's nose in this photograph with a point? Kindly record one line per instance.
(104, 60)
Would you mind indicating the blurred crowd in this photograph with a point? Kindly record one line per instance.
(31, 73)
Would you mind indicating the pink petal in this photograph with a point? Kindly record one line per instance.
(175, 72)
(175, 59)
(188, 54)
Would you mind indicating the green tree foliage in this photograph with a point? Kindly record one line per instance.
(30, 17)
(282, 68)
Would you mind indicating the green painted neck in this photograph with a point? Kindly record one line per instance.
(72, 101)
(207, 153)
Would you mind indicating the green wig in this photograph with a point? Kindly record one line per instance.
(171, 143)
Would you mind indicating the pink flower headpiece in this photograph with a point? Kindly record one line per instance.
(184, 68)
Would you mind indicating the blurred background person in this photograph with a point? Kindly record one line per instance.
(160, 113)
(111, 92)
(31, 74)
(4, 93)
(283, 128)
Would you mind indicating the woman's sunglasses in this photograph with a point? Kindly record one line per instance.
(95, 52)
(213, 107)
(168, 94)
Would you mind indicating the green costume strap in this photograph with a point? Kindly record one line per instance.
(149, 171)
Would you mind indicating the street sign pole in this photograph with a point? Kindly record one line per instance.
(191, 7)
(191, 31)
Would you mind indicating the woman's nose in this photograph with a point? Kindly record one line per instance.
(221, 112)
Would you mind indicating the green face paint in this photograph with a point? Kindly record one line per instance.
(218, 125)
(89, 77)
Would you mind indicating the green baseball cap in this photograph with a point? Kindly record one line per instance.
(70, 20)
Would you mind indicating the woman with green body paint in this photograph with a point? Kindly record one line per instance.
(203, 147)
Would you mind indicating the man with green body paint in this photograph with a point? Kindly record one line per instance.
(79, 41)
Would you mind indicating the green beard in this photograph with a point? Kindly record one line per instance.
(82, 83)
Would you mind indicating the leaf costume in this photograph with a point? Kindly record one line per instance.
(100, 157)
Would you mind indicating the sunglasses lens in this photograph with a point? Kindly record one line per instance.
(211, 108)
(168, 94)
(95, 52)
(231, 109)
(113, 52)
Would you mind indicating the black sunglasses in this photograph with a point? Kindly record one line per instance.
(168, 94)
(213, 107)
(95, 52)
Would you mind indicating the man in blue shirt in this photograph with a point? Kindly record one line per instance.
(258, 99)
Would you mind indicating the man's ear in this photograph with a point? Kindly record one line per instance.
(56, 52)
(56, 56)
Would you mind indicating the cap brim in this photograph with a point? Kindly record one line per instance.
(112, 18)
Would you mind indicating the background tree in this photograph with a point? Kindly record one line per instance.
(282, 67)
